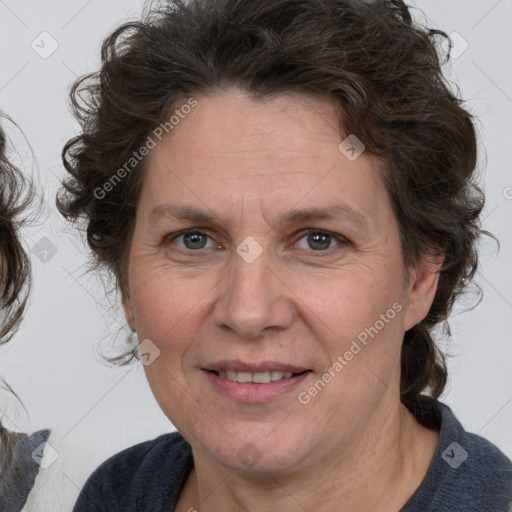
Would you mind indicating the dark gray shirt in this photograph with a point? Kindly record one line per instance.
(467, 474)
(18, 480)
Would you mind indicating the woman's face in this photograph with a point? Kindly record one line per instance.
(260, 247)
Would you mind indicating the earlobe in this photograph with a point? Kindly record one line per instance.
(422, 289)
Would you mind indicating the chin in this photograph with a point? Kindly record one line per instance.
(256, 452)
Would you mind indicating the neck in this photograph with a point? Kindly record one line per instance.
(379, 470)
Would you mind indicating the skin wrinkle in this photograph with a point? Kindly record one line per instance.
(291, 303)
(287, 305)
(446, 157)
(331, 212)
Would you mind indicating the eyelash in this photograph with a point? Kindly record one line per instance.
(342, 241)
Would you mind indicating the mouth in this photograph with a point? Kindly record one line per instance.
(255, 383)
(260, 377)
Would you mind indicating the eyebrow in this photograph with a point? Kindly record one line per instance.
(336, 212)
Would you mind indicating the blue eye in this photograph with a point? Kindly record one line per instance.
(193, 240)
(315, 240)
(319, 240)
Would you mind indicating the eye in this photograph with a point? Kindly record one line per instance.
(193, 240)
(318, 240)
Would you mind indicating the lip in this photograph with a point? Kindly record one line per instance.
(261, 366)
(251, 393)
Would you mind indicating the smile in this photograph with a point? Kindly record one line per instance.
(263, 377)
(255, 387)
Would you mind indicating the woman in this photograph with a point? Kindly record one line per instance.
(20, 455)
(284, 193)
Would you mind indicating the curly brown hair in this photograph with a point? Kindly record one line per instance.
(381, 69)
(16, 194)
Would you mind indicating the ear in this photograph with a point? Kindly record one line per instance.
(422, 287)
(128, 312)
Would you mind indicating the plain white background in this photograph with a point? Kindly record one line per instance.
(54, 363)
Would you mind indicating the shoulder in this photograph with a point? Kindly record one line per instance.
(146, 475)
(478, 470)
(19, 473)
(468, 472)
(470, 452)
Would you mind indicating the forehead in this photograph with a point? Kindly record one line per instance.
(231, 151)
(231, 123)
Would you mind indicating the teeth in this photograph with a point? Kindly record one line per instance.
(261, 377)
(256, 377)
(243, 376)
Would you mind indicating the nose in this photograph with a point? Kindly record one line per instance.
(254, 299)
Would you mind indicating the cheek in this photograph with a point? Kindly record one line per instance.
(354, 300)
(162, 304)
(362, 316)
(170, 319)
(169, 311)
(363, 330)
